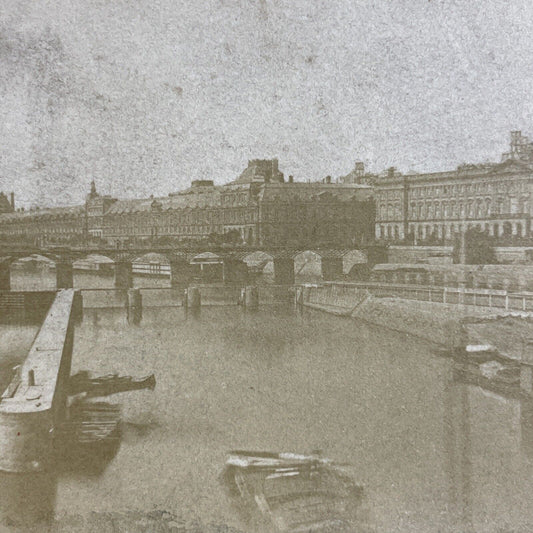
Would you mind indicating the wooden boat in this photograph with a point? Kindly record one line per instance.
(107, 385)
(296, 493)
(89, 424)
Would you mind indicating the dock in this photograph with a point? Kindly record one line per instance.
(34, 403)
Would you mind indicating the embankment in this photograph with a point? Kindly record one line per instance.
(434, 322)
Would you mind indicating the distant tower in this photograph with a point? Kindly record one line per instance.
(520, 148)
(5, 206)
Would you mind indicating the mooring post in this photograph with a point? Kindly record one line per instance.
(193, 298)
(134, 306)
(251, 297)
(298, 295)
(461, 281)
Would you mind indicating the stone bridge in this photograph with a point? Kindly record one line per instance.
(184, 263)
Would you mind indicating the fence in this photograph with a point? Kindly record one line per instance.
(346, 292)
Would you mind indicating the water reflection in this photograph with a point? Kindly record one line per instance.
(134, 315)
(27, 499)
(457, 440)
(526, 426)
(489, 444)
(434, 453)
(192, 313)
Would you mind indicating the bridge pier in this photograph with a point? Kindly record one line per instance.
(123, 275)
(5, 276)
(283, 270)
(180, 272)
(251, 298)
(234, 270)
(376, 255)
(64, 274)
(332, 268)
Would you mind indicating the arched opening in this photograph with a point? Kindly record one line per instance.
(307, 267)
(34, 272)
(208, 267)
(151, 270)
(260, 266)
(93, 271)
(95, 264)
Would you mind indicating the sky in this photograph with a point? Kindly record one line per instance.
(145, 96)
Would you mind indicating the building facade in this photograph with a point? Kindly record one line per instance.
(436, 207)
(258, 208)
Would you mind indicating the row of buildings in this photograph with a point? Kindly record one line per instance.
(260, 207)
(496, 198)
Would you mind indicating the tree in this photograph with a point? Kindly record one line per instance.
(232, 237)
(479, 248)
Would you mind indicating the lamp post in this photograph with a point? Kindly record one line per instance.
(462, 251)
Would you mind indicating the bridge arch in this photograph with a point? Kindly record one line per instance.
(308, 266)
(38, 261)
(327, 264)
(260, 263)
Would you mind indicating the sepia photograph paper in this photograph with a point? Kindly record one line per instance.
(266, 266)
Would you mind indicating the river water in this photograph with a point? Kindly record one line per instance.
(433, 454)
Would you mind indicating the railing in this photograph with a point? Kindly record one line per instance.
(515, 301)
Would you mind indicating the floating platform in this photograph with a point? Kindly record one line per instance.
(34, 403)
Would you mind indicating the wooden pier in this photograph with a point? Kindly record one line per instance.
(34, 403)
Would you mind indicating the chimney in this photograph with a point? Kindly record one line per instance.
(328, 179)
(13, 201)
(291, 179)
(390, 172)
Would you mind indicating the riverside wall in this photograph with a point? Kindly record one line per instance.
(438, 323)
